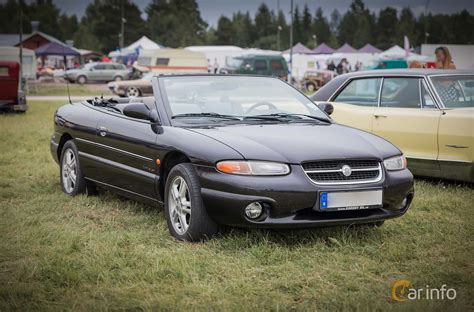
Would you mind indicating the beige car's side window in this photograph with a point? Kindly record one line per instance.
(361, 92)
(401, 92)
(428, 101)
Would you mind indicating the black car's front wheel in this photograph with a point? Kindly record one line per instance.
(185, 213)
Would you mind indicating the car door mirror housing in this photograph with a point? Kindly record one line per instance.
(140, 111)
(328, 108)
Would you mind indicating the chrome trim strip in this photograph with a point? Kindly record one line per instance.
(114, 149)
(340, 170)
(379, 99)
(456, 146)
(349, 182)
(118, 165)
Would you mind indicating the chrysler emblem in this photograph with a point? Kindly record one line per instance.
(346, 170)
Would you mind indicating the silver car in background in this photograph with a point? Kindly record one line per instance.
(98, 72)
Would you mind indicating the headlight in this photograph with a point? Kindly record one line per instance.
(395, 163)
(263, 168)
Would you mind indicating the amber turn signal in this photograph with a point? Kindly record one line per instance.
(234, 167)
(158, 162)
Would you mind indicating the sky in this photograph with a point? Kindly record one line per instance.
(211, 10)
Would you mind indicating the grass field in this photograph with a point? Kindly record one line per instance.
(105, 252)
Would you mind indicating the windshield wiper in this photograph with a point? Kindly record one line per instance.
(210, 115)
(279, 116)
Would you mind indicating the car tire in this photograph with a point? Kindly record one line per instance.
(133, 92)
(71, 177)
(81, 80)
(310, 87)
(118, 78)
(185, 213)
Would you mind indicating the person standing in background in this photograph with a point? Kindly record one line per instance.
(444, 59)
(332, 66)
(215, 66)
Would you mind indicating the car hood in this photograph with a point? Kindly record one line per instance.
(296, 143)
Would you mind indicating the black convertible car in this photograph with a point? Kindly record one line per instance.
(234, 150)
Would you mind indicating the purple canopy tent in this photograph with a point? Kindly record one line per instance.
(346, 48)
(323, 49)
(54, 48)
(299, 48)
(368, 48)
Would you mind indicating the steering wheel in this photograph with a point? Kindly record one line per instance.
(256, 105)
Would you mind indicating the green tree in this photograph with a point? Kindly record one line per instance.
(356, 25)
(241, 26)
(176, 23)
(321, 27)
(306, 23)
(263, 21)
(103, 19)
(284, 31)
(225, 31)
(84, 39)
(406, 26)
(297, 26)
(69, 26)
(387, 23)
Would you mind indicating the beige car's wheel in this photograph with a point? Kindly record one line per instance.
(133, 92)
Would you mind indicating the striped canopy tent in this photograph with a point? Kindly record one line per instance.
(368, 48)
(323, 49)
(346, 48)
(299, 48)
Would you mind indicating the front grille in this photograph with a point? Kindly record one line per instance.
(330, 172)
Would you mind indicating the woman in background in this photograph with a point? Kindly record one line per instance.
(444, 59)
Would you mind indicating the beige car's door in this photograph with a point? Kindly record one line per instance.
(355, 104)
(408, 117)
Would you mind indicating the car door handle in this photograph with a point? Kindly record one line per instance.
(103, 131)
(380, 116)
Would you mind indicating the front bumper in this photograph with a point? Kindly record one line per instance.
(293, 200)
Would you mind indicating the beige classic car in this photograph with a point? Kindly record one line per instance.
(133, 88)
(428, 114)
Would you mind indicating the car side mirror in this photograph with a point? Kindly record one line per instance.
(248, 67)
(91, 69)
(141, 111)
(328, 108)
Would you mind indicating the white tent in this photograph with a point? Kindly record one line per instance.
(393, 53)
(144, 43)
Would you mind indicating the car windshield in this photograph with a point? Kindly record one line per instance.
(234, 62)
(238, 98)
(455, 91)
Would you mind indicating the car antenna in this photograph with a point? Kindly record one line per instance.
(65, 74)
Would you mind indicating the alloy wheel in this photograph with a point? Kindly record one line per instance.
(69, 171)
(133, 92)
(179, 205)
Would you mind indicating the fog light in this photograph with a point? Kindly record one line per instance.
(403, 204)
(254, 210)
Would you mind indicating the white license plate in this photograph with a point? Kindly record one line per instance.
(350, 200)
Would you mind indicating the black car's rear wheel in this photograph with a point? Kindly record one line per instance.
(72, 180)
(185, 213)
